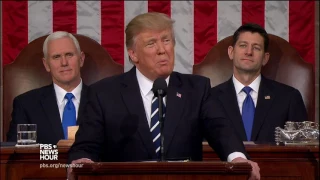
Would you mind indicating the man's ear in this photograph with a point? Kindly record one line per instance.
(230, 52)
(133, 56)
(82, 57)
(265, 58)
(45, 64)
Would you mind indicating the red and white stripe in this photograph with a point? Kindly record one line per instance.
(199, 24)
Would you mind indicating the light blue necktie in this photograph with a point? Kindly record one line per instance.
(248, 112)
(69, 114)
(155, 124)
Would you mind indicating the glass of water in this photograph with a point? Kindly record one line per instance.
(26, 134)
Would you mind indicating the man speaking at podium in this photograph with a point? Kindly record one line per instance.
(121, 121)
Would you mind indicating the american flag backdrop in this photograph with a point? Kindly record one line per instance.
(199, 24)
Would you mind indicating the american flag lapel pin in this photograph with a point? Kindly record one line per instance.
(267, 97)
(179, 95)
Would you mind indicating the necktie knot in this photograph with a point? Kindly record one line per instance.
(69, 96)
(247, 90)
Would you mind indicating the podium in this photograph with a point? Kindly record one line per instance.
(275, 162)
(163, 171)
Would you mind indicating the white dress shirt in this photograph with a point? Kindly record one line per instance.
(61, 101)
(241, 96)
(146, 85)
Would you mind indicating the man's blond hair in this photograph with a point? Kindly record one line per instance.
(147, 21)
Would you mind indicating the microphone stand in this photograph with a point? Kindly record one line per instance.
(161, 119)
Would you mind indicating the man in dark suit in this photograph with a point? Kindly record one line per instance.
(118, 119)
(45, 106)
(273, 103)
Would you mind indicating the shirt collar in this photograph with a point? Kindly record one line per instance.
(146, 84)
(60, 93)
(254, 85)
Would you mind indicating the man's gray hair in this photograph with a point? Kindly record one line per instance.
(58, 35)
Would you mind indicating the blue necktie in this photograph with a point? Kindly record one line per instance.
(155, 124)
(69, 114)
(248, 112)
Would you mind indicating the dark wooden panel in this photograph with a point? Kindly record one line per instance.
(275, 162)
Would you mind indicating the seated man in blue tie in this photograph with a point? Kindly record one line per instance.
(254, 104)
(56, 106)
(120, 121)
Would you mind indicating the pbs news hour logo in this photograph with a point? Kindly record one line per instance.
(48, 152)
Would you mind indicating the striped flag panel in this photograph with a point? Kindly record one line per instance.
(199, 25)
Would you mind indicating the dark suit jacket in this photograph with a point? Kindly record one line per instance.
(115, 127)
(285, 104)
(39, 106)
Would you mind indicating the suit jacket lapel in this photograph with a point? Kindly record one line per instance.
(265, 99)
(174, 109)
(50, 108)
(83, 101)
(133, 100)
(230, 104)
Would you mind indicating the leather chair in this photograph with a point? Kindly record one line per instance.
(27, 71)
(285, 66)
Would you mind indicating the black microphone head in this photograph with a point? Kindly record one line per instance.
(160, 87)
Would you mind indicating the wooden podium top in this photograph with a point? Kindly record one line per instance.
(259, 151)
(163, 170)
(164, 167)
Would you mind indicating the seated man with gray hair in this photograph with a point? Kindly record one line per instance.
(56, 106)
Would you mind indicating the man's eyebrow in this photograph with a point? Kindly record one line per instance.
(243, 42)
(55, 54)
(164, 36)
(150, 39)
(253, 43)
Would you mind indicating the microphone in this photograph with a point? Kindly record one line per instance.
(160, 90)
(160, 87)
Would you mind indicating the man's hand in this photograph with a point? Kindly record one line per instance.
(255, 173)
(78, 161)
